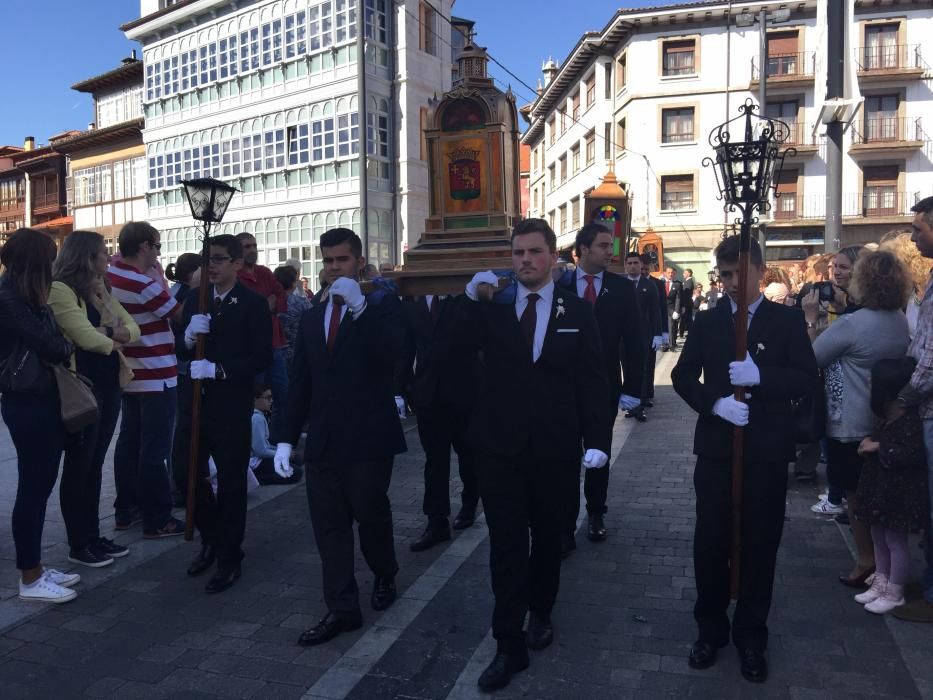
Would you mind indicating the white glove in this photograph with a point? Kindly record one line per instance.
(656, 342)
(351, 293)
(400, 405)
(744, 373)
(283, 453)
(594, 459)
(203, 369)
(675, 315)
(199, 324)
(487, 277)
(627, 403)
(731, 410)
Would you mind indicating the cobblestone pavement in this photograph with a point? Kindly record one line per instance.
(142, 629)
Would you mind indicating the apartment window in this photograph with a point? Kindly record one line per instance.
(574, 160)
(228, 57)
(320, 22)
(679, 57)
(575, 106)
(534, 200)
(377, 134)
(881, 46)
(563, 119)
(620, 72)
(563, 218)
(607, 81)
(534, 160)
(296, 38)
(880, 193)
(676, 192)
(590, 85)
(785, 204)
(562, 169)
(786, 111)
(552, 130)
(428, 19)
(249, 50)
(252, 154)
(590, 148)
(345, 20)
(575, 212)
(677, 125)
(376, 22)
(550, 218)
(322, 139)
(298, 144)
(782, 53)
(607, 141)
(552, 177)
(620, 136)
(881, 118)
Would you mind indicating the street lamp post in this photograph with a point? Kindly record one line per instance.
(745, 172)
(208, 199)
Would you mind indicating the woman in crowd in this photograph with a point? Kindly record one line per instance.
(184, 274)
(287, 276)
(98, 327)
(847, 351)
(29, 341)
(892, 492)
(918, 267)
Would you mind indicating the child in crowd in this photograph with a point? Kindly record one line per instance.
(263, 451)
(892, 490)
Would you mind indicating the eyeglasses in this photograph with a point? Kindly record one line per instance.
(219, 259)
(154, 244)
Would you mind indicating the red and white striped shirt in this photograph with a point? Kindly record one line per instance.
(152, 357)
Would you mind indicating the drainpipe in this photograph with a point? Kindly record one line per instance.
(393, 135)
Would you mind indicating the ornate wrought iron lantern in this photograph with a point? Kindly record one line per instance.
(208, 198)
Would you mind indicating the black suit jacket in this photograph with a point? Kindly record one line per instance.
(619, 322)
(546, 409)
(240, 341)
(779, 346)
(347, 398)
(662, 302)
(432, 366)
(646, 293)
(674, 297)
(686, 295)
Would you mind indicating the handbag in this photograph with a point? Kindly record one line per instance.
(809, 416)
(78, 405)
(21, 372)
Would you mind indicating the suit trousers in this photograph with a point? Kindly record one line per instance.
(339, 493)
(521, 495)
(686, 320)
(674, 325)
(595, 487)
(647, 391)
(221, 517)
(440, 427)
(765, 490)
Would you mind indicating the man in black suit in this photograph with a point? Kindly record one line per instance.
(616, 309)
(649, 310)
(674, 292)
(439, 376)
(346, 352)
(541, 400)
(647, 268)
(686, 302)
(238, 346)
(779, 367)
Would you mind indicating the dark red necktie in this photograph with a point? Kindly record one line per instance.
(590, 292)
(334, 326)
(529, 322)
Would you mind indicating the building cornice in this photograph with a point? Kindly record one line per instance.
(131, 71)
(114, 133)
(169, 16)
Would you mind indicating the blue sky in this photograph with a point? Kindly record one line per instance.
(50, 45)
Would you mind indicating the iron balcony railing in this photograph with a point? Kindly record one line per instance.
(801, 64)
(873, 202)
(875, 129)
(799, 134)
(885, 57)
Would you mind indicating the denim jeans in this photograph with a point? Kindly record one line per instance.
(35, 424)
(276, 376)
(927, 580)
(139, 461)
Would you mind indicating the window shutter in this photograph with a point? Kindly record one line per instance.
(782, 43)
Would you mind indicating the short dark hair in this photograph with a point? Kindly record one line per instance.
(286, 275)
(230, 243)
(728, 251)
(587, 234)
(526, 226)
(182, 269)
(925, 207)
(888, 377)
(133, 235)
(260, 388)
(243, 235)
(687, 269)
(633, 254)
(336, 236)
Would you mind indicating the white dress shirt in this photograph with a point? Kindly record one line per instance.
(752, 308)
(543, 310)
(581, 283)
(328, 312)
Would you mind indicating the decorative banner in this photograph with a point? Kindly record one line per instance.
(464, 165)
(610, 217)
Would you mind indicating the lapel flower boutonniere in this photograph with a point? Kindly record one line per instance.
(604, 292)
(560, 308)
(233, 300)
(761, 347)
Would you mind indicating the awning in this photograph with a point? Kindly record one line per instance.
(60, 222)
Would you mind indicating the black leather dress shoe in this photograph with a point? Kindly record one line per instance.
(327, 629)
(703, 654)
(540, 632)
(222, 580)
(433, 534)
(503, 667)
(203, 562)
(568, 543)
(597, 528)
(383, 593)
(465, 518)
(754, 666)
(638, 414)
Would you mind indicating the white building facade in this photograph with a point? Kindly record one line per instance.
(268, 96)
(645, 92)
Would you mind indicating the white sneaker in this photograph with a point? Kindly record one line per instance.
(62, 579)
(44, 590)
(824, 507)
(878, 585)
(892, 597)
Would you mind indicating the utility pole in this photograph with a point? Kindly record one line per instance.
(762, 95)
(835, 76)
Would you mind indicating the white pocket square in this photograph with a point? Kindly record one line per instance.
(568, 330)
